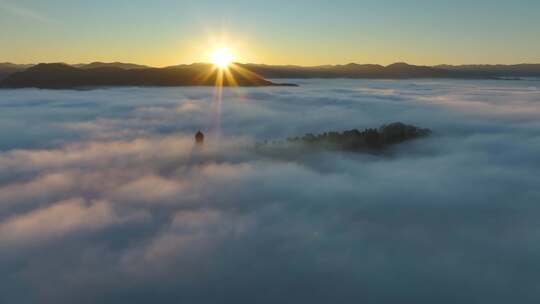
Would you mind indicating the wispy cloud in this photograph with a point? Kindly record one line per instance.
(23, 12)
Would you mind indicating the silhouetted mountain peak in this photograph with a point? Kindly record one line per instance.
(49, 69)
(116, 64)
(399, 65)
(8, 68)
(51, 66)
(9, 65)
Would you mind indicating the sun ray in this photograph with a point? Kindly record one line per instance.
(218, 99)
(203, 77)
(231, 81)
(223, 72)
(247, 74)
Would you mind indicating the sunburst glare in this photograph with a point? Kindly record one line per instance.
(222, 57)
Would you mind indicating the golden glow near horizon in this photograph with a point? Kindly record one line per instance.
(222, 57)
(270, 32)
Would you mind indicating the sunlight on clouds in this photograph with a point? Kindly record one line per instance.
(58, 220)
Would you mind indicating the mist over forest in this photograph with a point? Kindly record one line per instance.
(104, 197)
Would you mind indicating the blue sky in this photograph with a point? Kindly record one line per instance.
(166, 32)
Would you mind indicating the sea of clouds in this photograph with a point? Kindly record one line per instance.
(105, 199)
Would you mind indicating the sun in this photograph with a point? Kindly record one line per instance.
(222, 57)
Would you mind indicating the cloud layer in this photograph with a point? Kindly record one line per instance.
(103, 193)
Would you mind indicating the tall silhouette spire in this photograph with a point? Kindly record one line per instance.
(199, 138)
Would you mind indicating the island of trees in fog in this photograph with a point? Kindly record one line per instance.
(371, 140)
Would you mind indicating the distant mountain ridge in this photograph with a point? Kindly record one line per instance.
(394, 71)
(7, 69)
(63, 76)
(497, 70)
(398, 70)
(60, 75)
(121, 65)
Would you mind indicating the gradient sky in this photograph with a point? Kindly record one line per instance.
(305, 32)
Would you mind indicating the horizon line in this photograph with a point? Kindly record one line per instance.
(280, 64)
